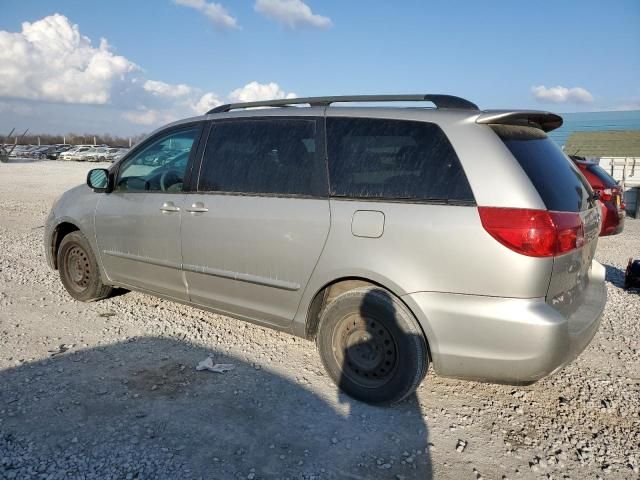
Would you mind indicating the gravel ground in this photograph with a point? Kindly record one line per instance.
(109, 389)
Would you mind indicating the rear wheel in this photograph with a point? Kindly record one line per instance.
(372, 346)
(79, 271)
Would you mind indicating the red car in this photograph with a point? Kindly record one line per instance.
(610, 193)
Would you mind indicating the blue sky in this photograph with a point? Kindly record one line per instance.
(496, 53)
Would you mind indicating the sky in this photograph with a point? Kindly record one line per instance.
(127, 67)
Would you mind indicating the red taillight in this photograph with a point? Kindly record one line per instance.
(536, 233)
(606, 195)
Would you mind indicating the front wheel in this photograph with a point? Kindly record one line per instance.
(372, 346)
(79, 271)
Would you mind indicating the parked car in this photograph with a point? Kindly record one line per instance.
(75, 153)
(18, 150)
(609, 193)
(59, 149)
(79, 154)
(28, 150)
(66, 155)
(116, 153)
(379, 232)
(41, 152)
(96, 154)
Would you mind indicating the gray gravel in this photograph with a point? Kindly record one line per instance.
(109, 390)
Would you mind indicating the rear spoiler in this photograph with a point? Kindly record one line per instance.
(545, 121)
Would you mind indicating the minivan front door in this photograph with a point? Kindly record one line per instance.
(253, 232)
(138, 224)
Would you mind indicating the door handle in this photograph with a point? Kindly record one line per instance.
(168, 207)
(197, 207)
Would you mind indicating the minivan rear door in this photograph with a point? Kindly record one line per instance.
(562, 188)
(253, 231)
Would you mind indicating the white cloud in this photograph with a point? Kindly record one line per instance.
(205, 103)
(291, 13)
(218, 15)
(561, 94)
(194, 102)
(49, 60)
(149, 117)
(254, 91)
(163, 89)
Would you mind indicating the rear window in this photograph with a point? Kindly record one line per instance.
(559, 183)
(607, 180)
(393, 159)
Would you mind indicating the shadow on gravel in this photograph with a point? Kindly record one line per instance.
(614, 275)
(139, 409)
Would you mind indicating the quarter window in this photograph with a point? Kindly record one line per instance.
(393, 159)
(263, 156)
(160, 166)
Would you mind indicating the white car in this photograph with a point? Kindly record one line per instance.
(79, 153)
(66, 155)
(116, 154)
(96, 154)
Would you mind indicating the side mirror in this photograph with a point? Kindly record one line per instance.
(98, 179)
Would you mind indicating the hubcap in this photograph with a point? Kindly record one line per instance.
(366, 350)
(78, 268)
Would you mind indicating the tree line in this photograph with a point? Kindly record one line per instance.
(73, 139)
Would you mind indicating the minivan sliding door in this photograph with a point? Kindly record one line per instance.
(254, 229)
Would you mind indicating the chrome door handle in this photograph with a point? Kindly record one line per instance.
(169, 207)
(197, 207)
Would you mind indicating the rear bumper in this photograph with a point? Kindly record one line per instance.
(506, 340)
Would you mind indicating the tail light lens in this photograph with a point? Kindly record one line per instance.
(535, 233)
(606, 195)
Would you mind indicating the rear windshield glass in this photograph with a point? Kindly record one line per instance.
(559, 183)
(606, 179)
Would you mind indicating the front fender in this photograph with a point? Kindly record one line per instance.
(76, 207)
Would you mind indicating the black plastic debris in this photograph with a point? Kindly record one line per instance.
(632, 275)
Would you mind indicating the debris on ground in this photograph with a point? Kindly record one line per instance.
(61, 349)
(207, 364)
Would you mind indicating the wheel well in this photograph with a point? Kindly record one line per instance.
(331, 291)
(59, 233)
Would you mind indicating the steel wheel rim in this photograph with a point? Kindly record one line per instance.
(78, 268)
(366, 350)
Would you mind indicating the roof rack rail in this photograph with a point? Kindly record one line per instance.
(440, 101)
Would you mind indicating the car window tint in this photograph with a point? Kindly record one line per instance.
(557, 180)
(393, 159)
(263, 156)
(160, 165)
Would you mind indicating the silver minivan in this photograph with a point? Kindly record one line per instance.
(394, 237)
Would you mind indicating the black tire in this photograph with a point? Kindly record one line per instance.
(79, 270)
(372, 346)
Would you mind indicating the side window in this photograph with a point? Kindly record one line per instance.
(393, 159)
(159, 166)
(263, 156)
